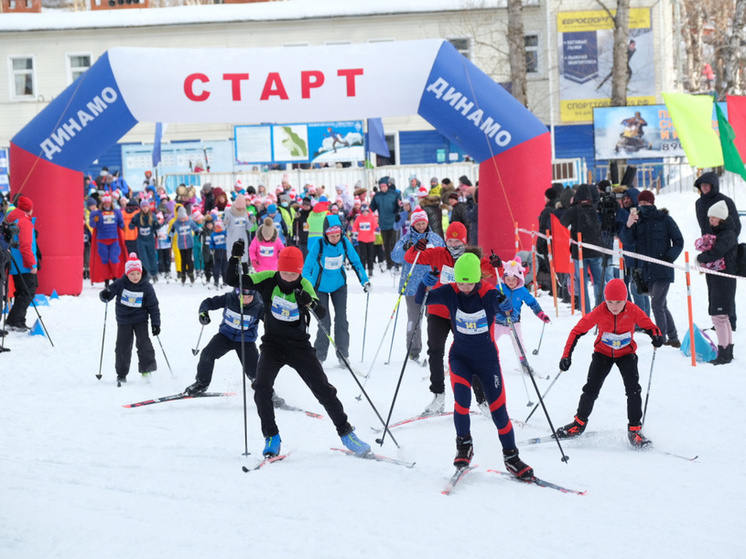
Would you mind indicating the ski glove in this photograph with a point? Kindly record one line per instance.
(367, 287)
(104, 295)
(155, 329)
(420, 245)
(506, 307)
(657, 341)
(431, 278)
(204, 318)
(303, 298)
(565, 363)
(238, 248)
(495, 261)
(543, 316)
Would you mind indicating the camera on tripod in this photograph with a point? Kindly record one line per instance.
(8, 232)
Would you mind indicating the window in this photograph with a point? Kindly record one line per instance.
(22, 78)
(532, 53)
(463, 45)
(76, 65)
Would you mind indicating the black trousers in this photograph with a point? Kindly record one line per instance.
(123, 349)
(218, 346)
(389, 241)
(597, 373)
(301, 356)
(26, 285)
(367, 254)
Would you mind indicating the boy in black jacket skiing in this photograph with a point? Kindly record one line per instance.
(230, 335)
(136, 301)
(286, 341)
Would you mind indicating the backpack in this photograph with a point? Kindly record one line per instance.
(704, 348)
(741, 260)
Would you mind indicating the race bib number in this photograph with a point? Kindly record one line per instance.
(616, 341)
(131, 299)
(110, 219)
(233, 319)
(284, 310)
(241, 221)
(144, 231)
(333, 262)
(471, 323)
(184, 230)
(447, 275)
(365, 226)
(266, 251)
(305, 226)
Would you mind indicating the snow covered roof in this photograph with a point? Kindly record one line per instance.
(226, 13)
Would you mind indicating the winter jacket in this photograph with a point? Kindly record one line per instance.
(431, 205)
(106, 223)
(582, 217)
(656, 235)
(706, 201)
(264, 254)
(145, 230)
(397, 255)
(324, 266)
(135, 301)
(545, 223)
(315, 220)
(517, 297)
(365, 226)
(217, 240)
(300, 227)
(25, 253)
(721, 291)
(181, 232)
(387, 205)
(472, 217)
(230, 326)
(616, 333)
(236, 227)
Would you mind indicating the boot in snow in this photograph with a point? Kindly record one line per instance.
(464, 451)
(436, 406)
(516, 466)
(572, 429)
(272, 446)
(636, 438)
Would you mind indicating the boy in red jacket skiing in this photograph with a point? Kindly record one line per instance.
(614, 345)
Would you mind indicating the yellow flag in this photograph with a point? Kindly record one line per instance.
(692, 118)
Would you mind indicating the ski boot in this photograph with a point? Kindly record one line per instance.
(572, 429)
(272, 446)
(353, 443)
(516, 466)
(436, 406)
(196, 389)
(121, 380)
(636, 438)
(464, 451)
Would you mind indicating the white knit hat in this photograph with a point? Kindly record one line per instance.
(718, 209)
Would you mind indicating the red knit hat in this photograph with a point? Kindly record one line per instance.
(24, 204)
(290, 260)
(456, 230)
(418, 215)
(646, 196)
(133, 264)
(615, 290)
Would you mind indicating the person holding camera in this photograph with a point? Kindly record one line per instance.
(24, 264)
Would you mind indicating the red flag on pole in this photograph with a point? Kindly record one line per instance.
(561, 247)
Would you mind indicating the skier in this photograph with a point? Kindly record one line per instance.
(182, 233)
(136, 301)
(288, 298)
(364, 228)
(147, 228)
(107, 228)
(231, 334)
(472, 305)
(615, 345)
(265, 247)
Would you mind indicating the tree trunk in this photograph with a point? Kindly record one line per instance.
(693, 37)
(623, 50)
(734, 52)
(517, 51)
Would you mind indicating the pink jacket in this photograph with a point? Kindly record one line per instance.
(264, 254)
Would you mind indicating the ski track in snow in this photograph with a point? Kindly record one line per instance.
(84, 477)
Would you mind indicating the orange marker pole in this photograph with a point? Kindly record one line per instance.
(533, 259)
(517, 240)
(582, 274)
(621, 259)
(551, 271)
(689, 306)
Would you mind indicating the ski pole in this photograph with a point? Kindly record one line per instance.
(365, 327)
(536, 351)
(33, 303)
(164, 356)
(650, 380)
(565, 458)
(195, 351)
(103, 337)
(393, 313)
(243, 373)
(393, 335)
(403, 367)
(543, 396)
(349, 368)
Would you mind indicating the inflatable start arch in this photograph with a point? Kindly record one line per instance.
(130, 85)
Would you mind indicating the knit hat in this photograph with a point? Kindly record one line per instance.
(133, 264)
(24, 204)
(268, 229)
(456, 230)
(383, 180)
(418, 215)
(646, 196)
(272, 209)
(514, 268)
(464, 180)
(238, 185)
(433, 180)
(290, 260)
(357, 201)
(550, 194)
(181, 213)
(615, 289)
(422, 192)
(219, 226)
(145, 204)
(364, 207)
(106, 198)
(467, 269)
(718, 209)
(453, 196)
(333, 229)
(307, 200)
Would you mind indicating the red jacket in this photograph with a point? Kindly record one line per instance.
(365, 227)
(615, 333)
(26, 243)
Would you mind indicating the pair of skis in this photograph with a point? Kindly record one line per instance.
(368, 456)
(461, 472)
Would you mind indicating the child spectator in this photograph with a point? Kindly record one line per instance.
(265, 247)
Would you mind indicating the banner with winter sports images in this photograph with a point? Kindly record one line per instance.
(274, 86)
(586, 46)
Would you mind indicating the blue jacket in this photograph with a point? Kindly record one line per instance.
(656, 235)
(324, 266)
(517, 296)
(230, 326)
(397, 255)
(135, 301)
(217, 240)
(387, 204)
(181, 231)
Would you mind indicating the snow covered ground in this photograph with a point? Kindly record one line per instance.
(84, 477)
